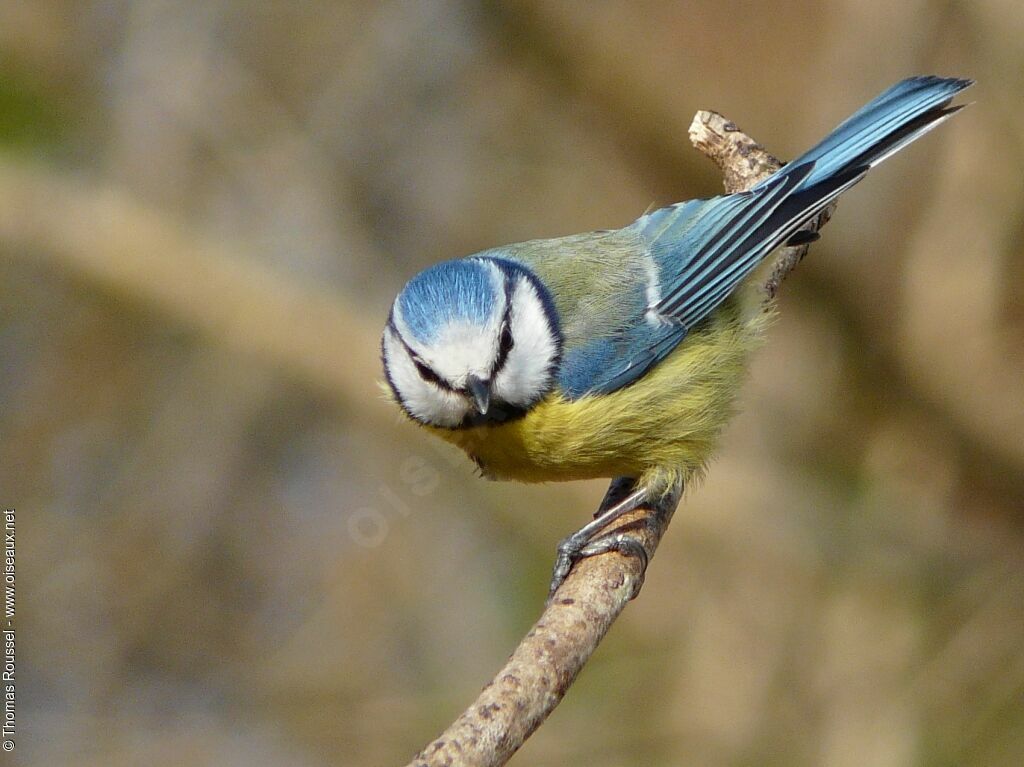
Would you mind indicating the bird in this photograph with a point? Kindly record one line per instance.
(619, 353)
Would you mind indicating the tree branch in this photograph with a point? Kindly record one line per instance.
(547, 660)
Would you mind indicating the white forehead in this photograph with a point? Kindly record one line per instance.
(462, 348)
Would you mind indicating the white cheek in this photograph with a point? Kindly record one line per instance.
(526, 374)
(423, 400)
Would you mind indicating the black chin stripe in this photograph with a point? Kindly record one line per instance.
(498, 413)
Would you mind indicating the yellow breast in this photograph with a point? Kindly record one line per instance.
(661, 428)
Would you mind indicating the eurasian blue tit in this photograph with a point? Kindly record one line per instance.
(619, 353)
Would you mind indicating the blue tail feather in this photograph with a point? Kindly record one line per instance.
(702, 249)
(896, 117)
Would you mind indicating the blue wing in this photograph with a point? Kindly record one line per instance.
(702, 249)
(703, 253)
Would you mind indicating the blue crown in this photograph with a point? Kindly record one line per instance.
(450, 291)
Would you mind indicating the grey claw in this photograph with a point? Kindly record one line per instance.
(570, 551)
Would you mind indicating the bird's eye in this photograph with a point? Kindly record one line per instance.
(427, 374)
(505, 344)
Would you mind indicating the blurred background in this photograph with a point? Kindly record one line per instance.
(233, 551)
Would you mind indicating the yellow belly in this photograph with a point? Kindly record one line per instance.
(661, 428)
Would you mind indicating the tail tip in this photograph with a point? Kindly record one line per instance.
(953, 84)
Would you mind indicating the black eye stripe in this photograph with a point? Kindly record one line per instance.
(505, 344)
(425, 371)
(515, 271)
(505, 340)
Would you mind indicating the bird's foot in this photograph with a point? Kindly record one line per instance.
(586, 542)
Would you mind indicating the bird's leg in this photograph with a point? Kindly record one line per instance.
(582, 543)
(619, 488)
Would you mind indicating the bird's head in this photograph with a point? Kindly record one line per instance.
(471, 341)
